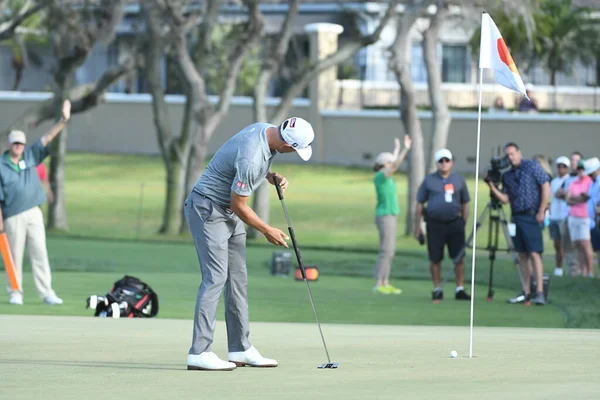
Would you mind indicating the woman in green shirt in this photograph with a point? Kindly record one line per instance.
(386, 213)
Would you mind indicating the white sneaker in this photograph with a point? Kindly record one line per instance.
(16, 299)
(53, 300)
(252, 358)
(558, 271)
(208, 361)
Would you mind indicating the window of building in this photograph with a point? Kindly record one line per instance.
(454, 63)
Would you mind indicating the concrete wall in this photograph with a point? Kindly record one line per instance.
(124, 125)
(355, 94)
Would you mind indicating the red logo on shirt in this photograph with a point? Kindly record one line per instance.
(239, 184)
(243, 186)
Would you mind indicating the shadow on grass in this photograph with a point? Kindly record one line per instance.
(95, 364)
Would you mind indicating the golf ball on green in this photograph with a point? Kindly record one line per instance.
(453, 354)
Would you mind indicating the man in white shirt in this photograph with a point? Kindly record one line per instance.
(559, 210)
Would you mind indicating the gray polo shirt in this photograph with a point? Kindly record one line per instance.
(239, 166)
(20, 186)
(444, 196)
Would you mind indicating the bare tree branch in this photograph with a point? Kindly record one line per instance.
(252, 33)
(153, 59)
(441, 116)
(7, 28)
(209, 21)
(273, 60)
(344, 52)
(95, 94)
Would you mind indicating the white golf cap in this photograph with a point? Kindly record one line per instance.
(563, 160)
(383, 158)
(17, 137)
(299, 134)
(591, 165)
(442, 153)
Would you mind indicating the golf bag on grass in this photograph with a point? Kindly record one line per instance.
(129, 298)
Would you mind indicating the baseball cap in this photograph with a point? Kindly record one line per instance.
(443, 153)
(299, 134)
(563, 160)
(383, 158)
(591, 165)
(17, 137)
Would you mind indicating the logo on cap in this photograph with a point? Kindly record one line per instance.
(293, 122)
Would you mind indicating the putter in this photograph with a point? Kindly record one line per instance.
(328, 364)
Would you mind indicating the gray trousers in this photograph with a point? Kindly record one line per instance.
(386, 225)
(220, 240)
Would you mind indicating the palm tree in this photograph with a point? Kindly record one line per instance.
(564, 35)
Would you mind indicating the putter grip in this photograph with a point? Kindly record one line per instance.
(297, 251)
(277, 187)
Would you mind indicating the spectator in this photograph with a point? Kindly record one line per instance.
(386, 213)
(569, 252)
(447, 198)
(43, 175)
(579, 220)
(21, 195)
(526, 186)
(528, 104)
(498, 106)
(559, 211)
(592, 168)
(544, 163)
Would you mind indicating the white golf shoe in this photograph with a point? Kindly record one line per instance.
(53, 300)
(252, 358)
(208, 361)
(16, 299)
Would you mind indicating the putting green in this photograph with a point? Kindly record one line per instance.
(94, 358)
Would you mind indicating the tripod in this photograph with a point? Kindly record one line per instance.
(497, 220)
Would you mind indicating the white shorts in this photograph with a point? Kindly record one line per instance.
(579, 228)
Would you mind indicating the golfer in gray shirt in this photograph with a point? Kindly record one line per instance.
(216, 211)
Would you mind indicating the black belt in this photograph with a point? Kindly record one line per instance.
(526, 212)
(449, 221)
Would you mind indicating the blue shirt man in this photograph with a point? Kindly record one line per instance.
(592, 168)
(527, 188)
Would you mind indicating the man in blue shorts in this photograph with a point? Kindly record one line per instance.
(526, 186)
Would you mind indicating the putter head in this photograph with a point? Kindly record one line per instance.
(330, 365)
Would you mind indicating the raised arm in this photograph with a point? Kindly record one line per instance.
(55, 130)
(398, 156)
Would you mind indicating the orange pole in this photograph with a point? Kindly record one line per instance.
(9, 263)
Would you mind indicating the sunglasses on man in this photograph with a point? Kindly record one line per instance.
(443, 160)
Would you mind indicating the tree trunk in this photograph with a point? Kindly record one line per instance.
(553, 84)
(416, 156)
(441, 116)
(57, 212)
(195, 164)
(176, 169)
(400, 65)
(261, 203)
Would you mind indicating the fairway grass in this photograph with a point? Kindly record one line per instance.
(95, 358)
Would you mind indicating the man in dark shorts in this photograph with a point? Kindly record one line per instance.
(527, 187)
(447, 198)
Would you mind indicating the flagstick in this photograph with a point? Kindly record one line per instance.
(475, 213)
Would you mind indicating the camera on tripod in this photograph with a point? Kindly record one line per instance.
(498, 165)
